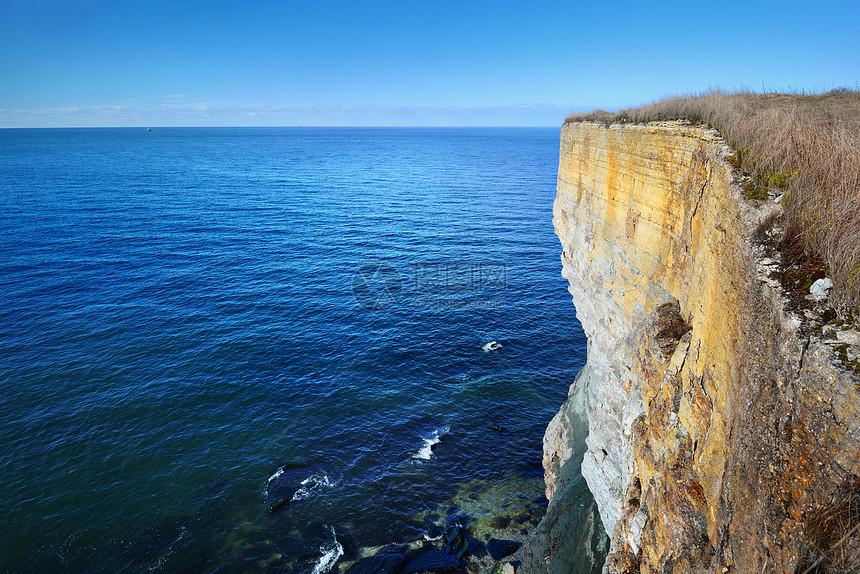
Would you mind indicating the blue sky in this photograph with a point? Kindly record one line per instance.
(140, 63)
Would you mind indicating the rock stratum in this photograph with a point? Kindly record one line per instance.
(720, 422)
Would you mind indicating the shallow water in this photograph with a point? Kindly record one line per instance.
(186, 311)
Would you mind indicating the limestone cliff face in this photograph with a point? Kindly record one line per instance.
(715, 422)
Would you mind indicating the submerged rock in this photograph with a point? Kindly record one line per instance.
(455, 541)
(347, 543)
(476, 547)
(388, 561)
(500, 522)
(499, 549)
(292, 483)
(429, 560)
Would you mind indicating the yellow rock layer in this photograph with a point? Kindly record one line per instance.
(716, 424)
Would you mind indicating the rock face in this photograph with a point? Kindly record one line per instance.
(716, 424)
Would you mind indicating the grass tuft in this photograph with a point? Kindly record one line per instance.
(806, 146)
(834, 535)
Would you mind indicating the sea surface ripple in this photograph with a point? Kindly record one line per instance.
(186, 311)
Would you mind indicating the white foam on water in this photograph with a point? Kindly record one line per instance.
(491, 346)
(158, 565)
(274, 476)
(426, 451)
(310, 484)
(278, 473)
(330, 555)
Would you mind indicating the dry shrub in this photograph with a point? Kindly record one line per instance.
(833, 532)
(805, 145)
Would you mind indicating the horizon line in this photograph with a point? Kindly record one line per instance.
(208, 115)
(326, 126)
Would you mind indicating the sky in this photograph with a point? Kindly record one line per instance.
(193, 63)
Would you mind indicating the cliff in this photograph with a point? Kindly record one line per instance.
(721, 424)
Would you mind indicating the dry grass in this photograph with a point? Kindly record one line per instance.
(807, 146)
(833, 532)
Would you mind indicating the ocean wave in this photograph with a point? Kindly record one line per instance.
(429, 538)
(310, 484)
(491, 346)
(275, 476)
(291, 484)
(330, 554)
(426, 451)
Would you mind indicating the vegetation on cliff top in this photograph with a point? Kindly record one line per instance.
(805, 146)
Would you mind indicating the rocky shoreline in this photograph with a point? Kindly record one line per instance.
(483, 529)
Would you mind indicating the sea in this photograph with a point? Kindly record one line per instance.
(271, 349)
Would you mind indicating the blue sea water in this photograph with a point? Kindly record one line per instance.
(184, 312)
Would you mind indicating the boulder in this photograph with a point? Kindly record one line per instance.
(429, 560)
(499, 549)
(382, 563)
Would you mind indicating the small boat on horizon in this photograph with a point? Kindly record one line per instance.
(148, 129)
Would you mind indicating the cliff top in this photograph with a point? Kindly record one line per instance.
(805, 147)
